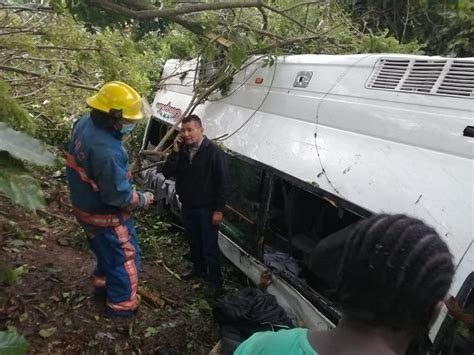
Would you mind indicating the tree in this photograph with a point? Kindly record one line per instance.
(225, 35)
(444, 27)
(57, 52)
(51, 64)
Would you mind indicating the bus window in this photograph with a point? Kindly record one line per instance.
(240, 219)
(456, 335)
(299, 220)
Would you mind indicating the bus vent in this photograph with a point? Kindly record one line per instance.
(448, 77)
(388, 73)
(459, 80)
(423, 75)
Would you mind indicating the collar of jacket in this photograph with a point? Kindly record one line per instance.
(205, 142)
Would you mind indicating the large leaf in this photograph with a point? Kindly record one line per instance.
(22, 146)
(16, 184)
(12, 343)
(237, 56)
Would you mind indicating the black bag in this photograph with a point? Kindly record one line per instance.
(246, 312)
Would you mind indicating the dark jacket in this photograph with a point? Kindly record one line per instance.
(202, 182)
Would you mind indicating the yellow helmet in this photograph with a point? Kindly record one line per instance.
(116, 95)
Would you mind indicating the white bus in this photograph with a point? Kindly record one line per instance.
(317, 142)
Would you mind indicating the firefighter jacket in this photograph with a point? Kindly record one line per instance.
(98, 175)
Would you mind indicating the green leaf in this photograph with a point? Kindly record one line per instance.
(13, 113)
(22, 146)
(151, 331)
(24, 317)
(16, 184)
(47, 332)
(203, 306)
(9, 275)
(237, 56)
(12, 343)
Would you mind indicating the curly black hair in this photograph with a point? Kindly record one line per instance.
(394, 271)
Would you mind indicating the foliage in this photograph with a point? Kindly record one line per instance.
(97, 18)
(13, 113)
(23, 147)
(384, 43)
(18, 185)
(444, 27)
(51, 64)
(15, 182)
(156, 235)
(9, 276)
(12, 343)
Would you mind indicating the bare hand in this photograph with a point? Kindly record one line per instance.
(177, 142)
(217, 218)
(149, 199)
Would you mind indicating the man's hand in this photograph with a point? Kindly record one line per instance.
(177, 142)
(149, 199)
(217, 218)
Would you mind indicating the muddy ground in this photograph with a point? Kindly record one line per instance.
(49, 297)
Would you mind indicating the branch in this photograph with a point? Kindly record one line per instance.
(197, 29)
(256, 30)
(35, 59)
(287, 42)
(34, 92)
(25, 8)
(169, 13)
(194, 27)
(79, 86)
(20, 71)
(264, 19)
(78, 49)
(32, 32)
(39, 75)
(288, 17)
(406, 22)
(302, 4)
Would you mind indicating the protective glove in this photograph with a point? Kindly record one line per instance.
(148, 198)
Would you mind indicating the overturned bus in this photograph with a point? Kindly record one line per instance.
(317, 142)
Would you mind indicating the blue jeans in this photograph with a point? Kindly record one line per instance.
(202, 236)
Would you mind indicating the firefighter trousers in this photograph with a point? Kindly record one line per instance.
(118, 265)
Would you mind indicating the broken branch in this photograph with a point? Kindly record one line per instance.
(39, 75)
(149, 13)
(288, 17)
(59, 217)
(171, 272)
(151, 297)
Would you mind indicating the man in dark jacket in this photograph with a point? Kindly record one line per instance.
(202, 184)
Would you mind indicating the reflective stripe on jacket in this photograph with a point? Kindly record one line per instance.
(98, 175)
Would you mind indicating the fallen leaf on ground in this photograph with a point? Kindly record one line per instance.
(151, 331)
(47, 332)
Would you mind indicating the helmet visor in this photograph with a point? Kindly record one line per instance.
(140, 109)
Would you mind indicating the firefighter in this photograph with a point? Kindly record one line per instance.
(102, 194)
